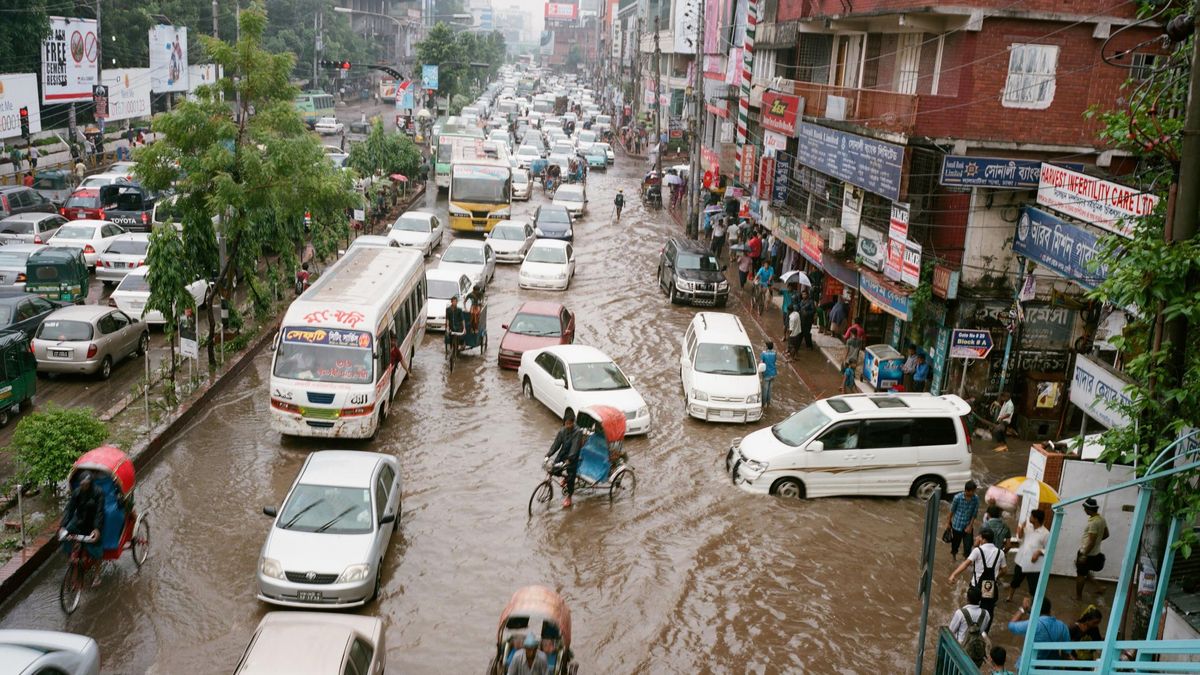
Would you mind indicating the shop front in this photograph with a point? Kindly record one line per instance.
(884, 309)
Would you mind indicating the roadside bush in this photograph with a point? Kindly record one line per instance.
(47, 443)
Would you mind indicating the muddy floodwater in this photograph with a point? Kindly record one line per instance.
(689, 576)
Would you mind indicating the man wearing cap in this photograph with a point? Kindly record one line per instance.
(1089, 558)
(530, 661)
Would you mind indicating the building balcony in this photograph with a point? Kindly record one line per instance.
(871, 108)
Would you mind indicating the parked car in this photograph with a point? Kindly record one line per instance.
(549, 265)
(471, 257)
(417, 229)
(88, 339)
(441, 286)
(329, 539)
(20, 199)
(23, 312)
(12, 263)
(536, 324)
(510, 240)
(124, 254)
(32, 227)
(689, 272)
(522, 185)
(573, 198)
(718, 370)
(132, 294)
(527, 153)
(571, 377)
(92, 237)
(552, 221)
(46, 652)
(83, 204)
(862, 444)
(327, 126)
(312, 643)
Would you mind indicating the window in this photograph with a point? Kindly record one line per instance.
(1030, 82)
(381, 498)
(1143, 65)
(546, 362)
(886, 434)
(26, 310)
(108, 325)
(934, 431)
(360, 658)
(842, 436)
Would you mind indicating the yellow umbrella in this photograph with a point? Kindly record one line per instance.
(1030, 487)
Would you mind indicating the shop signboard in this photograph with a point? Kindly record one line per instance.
(1047, 327)
(811, 245)
(766, 178)
(747, 168)
(994, 172)
(16, 92)
(774, 141)
(561, 11)
(1065, 249)
(1105, 204)
(910, 268)
(874, 166)
(945, 282)
(783, 173)
(966, 343)
(128, 93)
(781, 112)
(1099, 391)
(872, 251)
(789, 229)
(168, 59)
(69, 55)
(882, 295)
(852, 204)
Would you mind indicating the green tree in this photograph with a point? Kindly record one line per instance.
(383, 153)
(245, 175)
(170, 269)
(23, 26)
(48, 442)
(291, 30)
(454, 54)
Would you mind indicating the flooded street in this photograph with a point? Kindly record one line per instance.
(690, 576)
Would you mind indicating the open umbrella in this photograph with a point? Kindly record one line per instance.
(713, 208)
(796, 277)
(1030, 487)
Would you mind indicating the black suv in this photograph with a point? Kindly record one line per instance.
(20, 199)
(689, 272)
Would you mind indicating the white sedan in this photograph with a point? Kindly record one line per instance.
(471, 257)
(549, 265)
(526, 154)
(573, 198)
(417, 229)
(572, 377)
(442, 286)
(328, 126)
(90, 236)
(522, 185)
(131, 295)
(510, 240)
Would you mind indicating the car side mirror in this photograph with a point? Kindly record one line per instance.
(387, 518)
(275, 340)
(503, 326)
(816, 446)
(724, 267)
(560, 383)
(270, 511)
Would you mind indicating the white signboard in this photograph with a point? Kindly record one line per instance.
(128, 93)
(69, 57)
(16, 92)
(1093, 200)
(1098, 391)
(910, 268)
(205, 74)
(168, 59)
(852, 204)
(872, 251)
(774, 141)
(686, 26)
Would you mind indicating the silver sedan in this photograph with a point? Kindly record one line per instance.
(88, 339)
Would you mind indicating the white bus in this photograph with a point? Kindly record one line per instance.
(333, 374)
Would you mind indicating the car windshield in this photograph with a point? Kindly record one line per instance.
(601, 376)
(508, 233)
(527, 151)
(603, 119)
(86, 201)
(323, 362)
(129, 247)
(480, 184)
(64, 331)
(410, 224)
(5, 315)
(520, 177)
(75, 232)
(721, 359)
(539, 325)
(13, 259)
(554, 216)
(546, 254)
(587, 136)
(569, 193)
(602, 147)
(691, 261)
(441, 289)
(328, 120)
(135, 283)
(798, 428)
(463, 254)
(322, 508)
(16, 227)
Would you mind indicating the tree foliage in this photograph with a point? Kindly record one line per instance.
(48, 442)
(384, 153)
(454, 53)
(22, 28)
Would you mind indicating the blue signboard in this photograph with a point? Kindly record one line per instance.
(884, 296)
(872, 165)
(938, 357)
(993, 172)
(1065, 249)
(783, 173)
(970, 344)
(429, 76)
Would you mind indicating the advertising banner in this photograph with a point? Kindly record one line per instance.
(993, 172)
(774, 141)
(714, 11)
(69, 58)
(945, 282)
(872, 252)
(749, 155)
(429, 76)
(128, 93)
(766, 178)
(874, 166)
(910, 269)
(852, 205)
(811, 244)
(1065, 249)
(546, 44)
(16, 92)
(562, 11)
(1099, 391)
(100, 102)
(203, 75)
(894, 269)
(1093, 200)
(168, 59)
(780, 112)
(783, 173)
(898, 223)
(883, 296)
(686, 25)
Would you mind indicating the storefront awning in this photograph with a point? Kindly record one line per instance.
(883, 293)
(847, 273)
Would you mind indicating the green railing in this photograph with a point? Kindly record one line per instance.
(951, 659)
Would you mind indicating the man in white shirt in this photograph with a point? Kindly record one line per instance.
(972, 610)
(1031, 554)
(987, 561)
(1003, 420)
(793, 334)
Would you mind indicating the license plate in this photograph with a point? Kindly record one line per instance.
(310, 596)
(726, 413)
(60, 353)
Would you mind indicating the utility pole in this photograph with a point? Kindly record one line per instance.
(216, 25)
(316, 47)
(694, 164)
(658, 104)
(637, 67)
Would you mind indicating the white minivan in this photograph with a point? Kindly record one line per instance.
(718, 370)
(859, 444)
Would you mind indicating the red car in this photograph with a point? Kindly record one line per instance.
(536, 324)
(83, 203)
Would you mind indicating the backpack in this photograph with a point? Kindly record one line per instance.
(987, 579)
(974, 645)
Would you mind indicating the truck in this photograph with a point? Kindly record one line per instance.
(129, 205)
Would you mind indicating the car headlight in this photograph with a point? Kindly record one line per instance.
(502, 213)
(455, 211)
(699, 395)
(752, 398)
(270, 567)
(562, 275)
(643, 411)
(722, 285)
(509, 352)
(753, 469)
(355, 573)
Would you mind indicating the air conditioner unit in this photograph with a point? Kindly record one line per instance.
(837, 239)
(829, 223)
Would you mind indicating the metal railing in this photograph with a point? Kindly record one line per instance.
(951, 659)
(871, 108)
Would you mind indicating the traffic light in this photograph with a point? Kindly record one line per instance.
(25, 123)
(340, 65)
(345, 65)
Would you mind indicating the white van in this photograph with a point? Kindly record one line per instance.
(719, 371)
(861, 444)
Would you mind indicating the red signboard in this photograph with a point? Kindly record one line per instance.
(780, 112)
(562, 11)
(811, 244)
(766, 177)
(748, 157)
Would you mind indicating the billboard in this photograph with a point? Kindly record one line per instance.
(686, 26)
(1103, 203)
(128, 93)
(204, 74)
(168, 59)
(562, 11)
(429, 76)
(16, 92)
(69, 59)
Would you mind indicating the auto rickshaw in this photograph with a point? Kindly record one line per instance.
(57, 273)
(54, 184)
(18, 374)
(541, 611)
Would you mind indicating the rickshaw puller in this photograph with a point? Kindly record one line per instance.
(84, 517)
(565, 451)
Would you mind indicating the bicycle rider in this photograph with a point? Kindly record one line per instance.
(563, 457)
(762, 283)
(84, 517)
(619, 202)
(456, 323)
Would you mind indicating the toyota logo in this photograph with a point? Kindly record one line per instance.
(310, 576)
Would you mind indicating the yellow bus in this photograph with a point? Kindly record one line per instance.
(480, 194)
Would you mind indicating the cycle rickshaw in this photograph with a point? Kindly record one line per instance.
(541, 611)
(603, 464)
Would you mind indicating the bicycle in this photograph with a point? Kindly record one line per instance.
(79, 563)
(452, 344)
(758, 298)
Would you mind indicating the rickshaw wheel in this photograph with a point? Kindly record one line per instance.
(542, 497)
(71, 590)
(140, 542)
(622, 483)
(3, 418)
